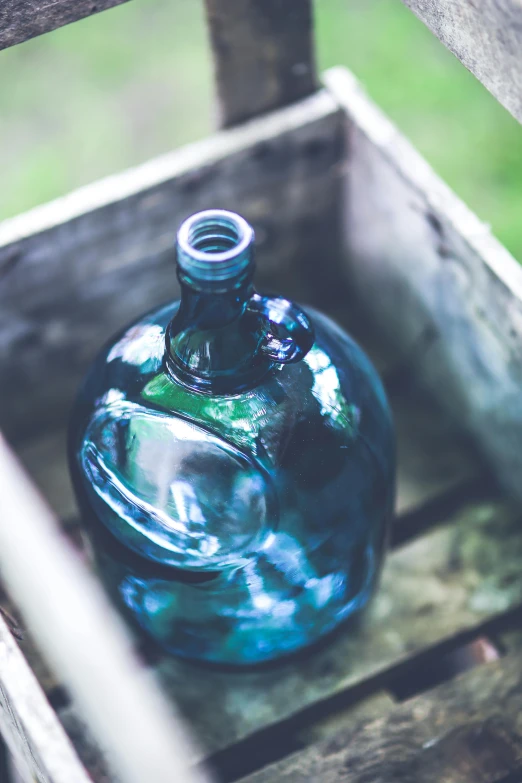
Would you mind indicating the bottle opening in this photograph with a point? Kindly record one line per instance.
(215, 245)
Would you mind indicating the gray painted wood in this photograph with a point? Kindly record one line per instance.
(432, 278)
(24, 19)
(486, 36)
(465, 731)
(263, 55)
(74, 271)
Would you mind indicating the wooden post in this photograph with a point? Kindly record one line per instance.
(263, 55)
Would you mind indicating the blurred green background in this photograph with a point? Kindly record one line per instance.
(116, 89)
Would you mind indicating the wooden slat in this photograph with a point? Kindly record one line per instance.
(76, 270)
(29, 726)
(430, 274)
(466, 731)
(486, 36)
(24, 19)
(86, 642)
(263, 55)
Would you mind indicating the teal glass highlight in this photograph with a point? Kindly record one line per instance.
(233, 458)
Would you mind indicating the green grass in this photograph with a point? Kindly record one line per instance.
(118, 88)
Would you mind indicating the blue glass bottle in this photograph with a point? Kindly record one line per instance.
(233, 457)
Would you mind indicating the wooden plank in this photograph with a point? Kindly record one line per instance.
(37, 741)
(466, 731)
(24, 19)
(74, 271)
(263, 55)
(486, 37)
(430, 274)
(86, 642)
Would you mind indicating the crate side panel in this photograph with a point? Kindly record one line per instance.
(435, 281)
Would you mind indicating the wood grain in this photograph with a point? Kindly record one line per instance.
(263, 55)
(486, 36)
(465, 731)
(431, 275)
(74, 271)
(24, 19)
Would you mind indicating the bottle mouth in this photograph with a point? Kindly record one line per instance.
(215, 245)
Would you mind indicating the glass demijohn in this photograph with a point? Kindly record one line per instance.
(233, 457)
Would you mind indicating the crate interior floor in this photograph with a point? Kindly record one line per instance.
(393, 698)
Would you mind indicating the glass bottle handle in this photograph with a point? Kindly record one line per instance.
(289, 334)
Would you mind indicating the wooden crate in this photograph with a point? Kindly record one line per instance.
(351, 219)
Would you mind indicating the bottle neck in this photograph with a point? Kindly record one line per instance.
(225, 337)
(213, 342)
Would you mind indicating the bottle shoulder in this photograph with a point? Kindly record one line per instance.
(132, 364)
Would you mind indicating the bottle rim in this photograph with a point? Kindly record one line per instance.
(215, 244)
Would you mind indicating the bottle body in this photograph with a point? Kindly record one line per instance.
(279, 497)
(233, 458)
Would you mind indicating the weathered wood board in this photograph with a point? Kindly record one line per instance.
(432, 277)
(77, 269)
(38, 743)
(24, 19)
(468, 730)
(263, 55)
(486, 36)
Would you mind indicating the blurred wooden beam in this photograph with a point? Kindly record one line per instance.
(24, 19)
(263, 55)
(85, 641)
(486, 36)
